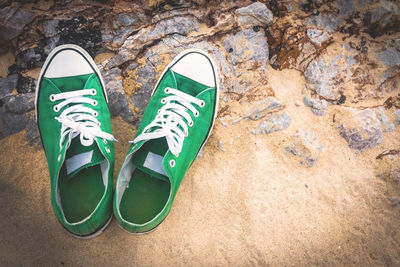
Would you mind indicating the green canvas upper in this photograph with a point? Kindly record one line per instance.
(190, 148)
(50, 131)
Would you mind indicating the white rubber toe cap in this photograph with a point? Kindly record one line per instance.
(66, 63)
(196, 66)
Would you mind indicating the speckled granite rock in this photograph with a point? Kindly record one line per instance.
(362, 130)
(8, 84)
(328, 22)
(318, 107)
(12, 21)
(253, 15)
(273, 123)
(117, 103)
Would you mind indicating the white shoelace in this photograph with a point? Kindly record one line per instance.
(79, 119)
(169, 122)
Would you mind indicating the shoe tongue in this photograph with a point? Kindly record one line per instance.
(149, 159)
(79, 157)
(152, 165)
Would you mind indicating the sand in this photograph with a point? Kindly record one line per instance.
(252, 204)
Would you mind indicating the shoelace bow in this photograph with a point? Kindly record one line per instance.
(78, 119)
(170, 120)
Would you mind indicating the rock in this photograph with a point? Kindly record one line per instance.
(32, 133)
(396, 115)
(328, 22)
(318, 107)
(7, 85)
(390, 57)
(146, 77)
(127, 19)
(247, 49)
(317, 36)
(263, 107)
(220, 146)
(255, 14)
(122, 25)
(386, 123)
(26, 84)
(346, 8)
(175, 25)
(366, 132)
(19, 104)
(325, 74)
(383, 18)
(320, 74)
(12, 22)
(341, 100)
(30, 58)
(180, 25)
(306, 146)
(246, 46)
(117, 102)
(274, 123)
(12, 123)
(50, 27)
(81, 31)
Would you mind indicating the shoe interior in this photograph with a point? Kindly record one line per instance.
(83, 187)
(148, 191)
(82, 193)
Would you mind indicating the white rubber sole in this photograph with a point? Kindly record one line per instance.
(97, 233)
(55, 51)
(142, 233)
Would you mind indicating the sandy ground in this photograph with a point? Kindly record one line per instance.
(252, 204)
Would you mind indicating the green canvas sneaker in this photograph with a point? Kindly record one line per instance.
(175, 126)
(74, 125)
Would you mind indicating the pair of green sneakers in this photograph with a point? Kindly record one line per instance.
(74, 124)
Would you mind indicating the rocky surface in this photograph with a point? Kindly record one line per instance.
(240, 36)
(306, 146)
(315, 82)
(274, 123)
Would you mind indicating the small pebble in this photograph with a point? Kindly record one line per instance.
(220, 146)
(224, 123)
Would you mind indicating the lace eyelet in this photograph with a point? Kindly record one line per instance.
(159, 111)
(186, 134)
(56, 109)
(172, 163)
(105, 141)
(95, 114)
(163, 101)
(52, 98)
(166, 90)
(196, 114)
(202, 104)
(190, 123)
(99, 123)
(93, 92)
(108, 150)
(94, 103)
